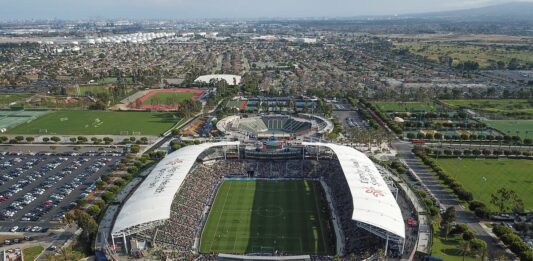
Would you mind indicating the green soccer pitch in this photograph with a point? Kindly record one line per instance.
(98, 123)
(266, 216)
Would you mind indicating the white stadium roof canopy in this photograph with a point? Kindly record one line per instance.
(374, 203)
(229, 78)
(152, 200)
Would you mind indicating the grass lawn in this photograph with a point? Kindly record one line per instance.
(512, 126)
(486, 56)
(31, 252)
(6, 99)
(265, 216)
(405, 106)
(494, 106)
(99, 123)
(513, 174)
(447, 249)
(168, 98)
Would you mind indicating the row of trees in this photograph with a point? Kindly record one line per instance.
(477, 152)
(78, 140)
(513, 241)
(504, 199)
(392, 125)
(470, 137)
(470, 244)
(457, 187)
(370, 137)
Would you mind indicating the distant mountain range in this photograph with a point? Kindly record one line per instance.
(512, 11)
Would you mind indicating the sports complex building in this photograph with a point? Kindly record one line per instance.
(277, 126)
(231, 200)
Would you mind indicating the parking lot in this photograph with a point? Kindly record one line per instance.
(37, 190)
(351, 119)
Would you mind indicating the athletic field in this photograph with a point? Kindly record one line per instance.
(165, 99)
(98, 123)
(494, 106)
(8, 98)
(510, 127)
(484, 177)
(11, 119)
(168, 98)
(267, 216)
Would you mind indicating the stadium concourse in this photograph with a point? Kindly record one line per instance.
(169, 209)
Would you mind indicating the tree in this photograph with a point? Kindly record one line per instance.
(447, 218)
(135, 148)
(108, 140)
(449, 215)
(108, 196)
(55, 139)
(46, 139)
(64, 254)
(479, 247)
(513, 64)
(506, 200)
(85, 221)
(94, 210)
(30, 139)
(466, 248)
(468, 235)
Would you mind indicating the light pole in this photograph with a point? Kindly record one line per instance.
(518, 139)
(510, 139)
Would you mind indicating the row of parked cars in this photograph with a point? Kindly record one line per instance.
(34, 229)
(30, 196)
(51, 189)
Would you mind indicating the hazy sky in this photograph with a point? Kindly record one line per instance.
(191, 9)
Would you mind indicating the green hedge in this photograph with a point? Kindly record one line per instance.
(514, 242)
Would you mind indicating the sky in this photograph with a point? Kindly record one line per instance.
(206, 9)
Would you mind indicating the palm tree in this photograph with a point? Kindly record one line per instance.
(465, 248)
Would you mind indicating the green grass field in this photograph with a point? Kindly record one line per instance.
(447, 249)
(513, 174)
(98, 123)
(265, 216)
(511, 126)
(168, 98)
(486, 56)
(6, 99)
(494, 106)
(31, 253)
(405, 106)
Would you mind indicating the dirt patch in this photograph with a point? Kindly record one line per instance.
(193, 128)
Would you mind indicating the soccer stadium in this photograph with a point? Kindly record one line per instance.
(275, 126)
(283, 200)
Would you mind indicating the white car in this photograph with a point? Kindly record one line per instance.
(14, 229)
